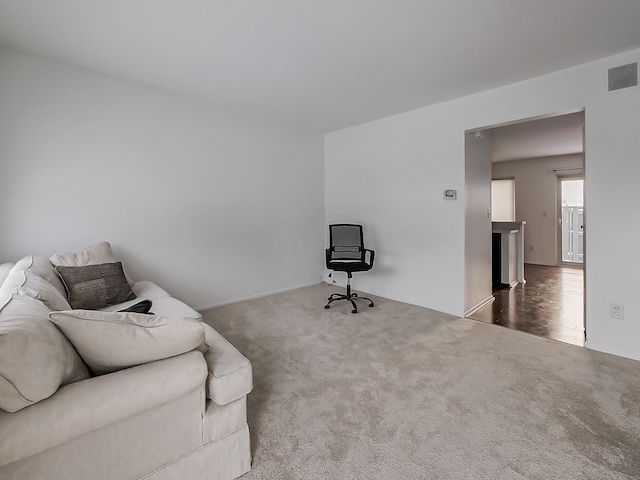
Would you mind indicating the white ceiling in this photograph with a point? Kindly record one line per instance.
(546, 137)
(323, 64)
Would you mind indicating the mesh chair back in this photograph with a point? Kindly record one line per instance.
(347, 242)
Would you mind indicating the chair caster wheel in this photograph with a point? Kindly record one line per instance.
(326, 307)
(354, 311)
(371, 304)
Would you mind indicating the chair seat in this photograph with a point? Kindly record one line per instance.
(348, 266)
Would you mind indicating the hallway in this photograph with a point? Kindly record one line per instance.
(550, 304)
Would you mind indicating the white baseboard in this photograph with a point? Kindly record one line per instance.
(253, 297)
(478, 306)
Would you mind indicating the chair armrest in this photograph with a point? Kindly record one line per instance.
(372, 255)
(327, 257)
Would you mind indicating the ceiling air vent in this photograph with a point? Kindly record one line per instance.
(623, 77)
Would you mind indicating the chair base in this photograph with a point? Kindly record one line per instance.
(349, 296)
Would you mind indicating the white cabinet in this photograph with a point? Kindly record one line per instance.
(510, 249)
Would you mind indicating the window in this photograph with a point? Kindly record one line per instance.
(503, 200)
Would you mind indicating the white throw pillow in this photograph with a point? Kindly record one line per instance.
(111, 341)
(93, 255)
(35, 358)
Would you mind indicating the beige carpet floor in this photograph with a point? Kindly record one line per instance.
(403, 392)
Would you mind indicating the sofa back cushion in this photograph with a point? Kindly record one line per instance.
(92, 255)
(35, 357)
(37, 278)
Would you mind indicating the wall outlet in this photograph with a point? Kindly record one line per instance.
(616, 310)
(327, 279)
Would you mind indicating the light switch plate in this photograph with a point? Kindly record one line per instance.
(450, 194)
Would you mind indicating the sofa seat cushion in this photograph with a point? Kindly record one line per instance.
(94, 403)
(92, 255)
(230, 374)
(110, 341)
(36, 277)
(162, 303)
(147, 289)
(35, 358)
(144, 290)
(174, 307)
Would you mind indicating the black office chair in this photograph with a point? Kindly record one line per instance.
(347, 254)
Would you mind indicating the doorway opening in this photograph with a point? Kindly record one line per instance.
(540, 162)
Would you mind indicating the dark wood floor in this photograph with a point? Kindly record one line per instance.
(549, 304)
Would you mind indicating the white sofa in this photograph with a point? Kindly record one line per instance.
(181, 415)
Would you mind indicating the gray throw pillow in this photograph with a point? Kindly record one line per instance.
(91, 287)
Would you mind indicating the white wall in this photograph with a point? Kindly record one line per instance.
(212, 205)
(537, 202)
(389, 174)
(478, 285)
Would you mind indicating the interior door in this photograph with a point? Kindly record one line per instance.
(578, 234)
(572, 233)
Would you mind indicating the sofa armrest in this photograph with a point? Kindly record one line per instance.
(230, 376)
(88, 405)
